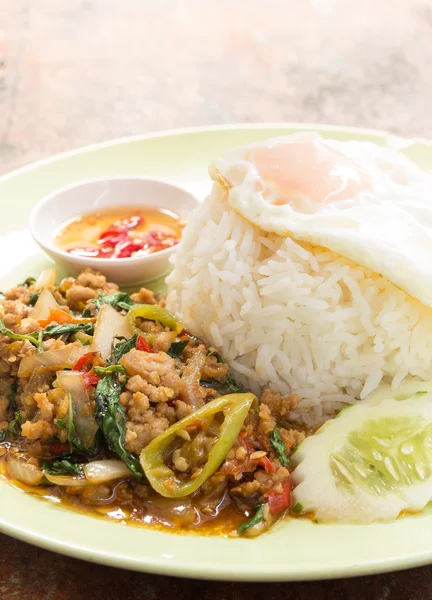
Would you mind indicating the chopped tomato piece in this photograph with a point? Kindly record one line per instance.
(278, 502)
(142, 344)
(85, 361)
(90, 379)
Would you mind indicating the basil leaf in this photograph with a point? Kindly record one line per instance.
(279, 446)
(111, 419)
(224, 386)
(67, 328)
(60, 423)
(86, 313)
(3, 435)
(233, 385)
(177, 348)
(124, 347)
(28, 282)
(254, 520)
(14, 426)
(62, 466)
(31, 337)
(119, 299)
(34, 298)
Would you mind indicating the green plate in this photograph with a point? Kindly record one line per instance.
(293, 550)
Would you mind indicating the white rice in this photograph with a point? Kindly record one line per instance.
(297, 317)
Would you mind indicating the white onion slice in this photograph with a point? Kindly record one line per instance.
(44, 304)
(66, 480)
(23, 471)
(72, 382)
(109, 324)
(46, 279)
(101, 471)
(64, 358)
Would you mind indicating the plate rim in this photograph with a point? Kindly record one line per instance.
(212, 571)
(161, 133)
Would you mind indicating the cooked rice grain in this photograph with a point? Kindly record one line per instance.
(297, 317)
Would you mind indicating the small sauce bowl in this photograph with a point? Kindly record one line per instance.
(73, 201)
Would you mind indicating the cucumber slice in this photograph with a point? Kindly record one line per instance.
(372, 462)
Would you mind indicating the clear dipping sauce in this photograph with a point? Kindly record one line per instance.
(120, 232)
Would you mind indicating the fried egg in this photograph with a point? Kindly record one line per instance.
(365, 202)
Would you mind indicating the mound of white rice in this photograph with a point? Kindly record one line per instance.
(297, 317)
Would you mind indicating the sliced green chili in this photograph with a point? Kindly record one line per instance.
(235, 408)
(154, 312)
(111, 369)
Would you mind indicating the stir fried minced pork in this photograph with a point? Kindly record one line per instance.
(91, 379)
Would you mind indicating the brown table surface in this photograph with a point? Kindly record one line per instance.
(74, 73)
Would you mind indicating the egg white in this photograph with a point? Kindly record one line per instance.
(386, 228)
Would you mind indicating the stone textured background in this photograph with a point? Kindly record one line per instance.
(80, 71)
(74, 72)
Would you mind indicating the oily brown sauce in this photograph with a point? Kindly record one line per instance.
(153, 512)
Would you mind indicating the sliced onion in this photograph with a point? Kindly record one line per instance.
(23, 471)
(46, 279)
(42, 308)
(101, 471)
(66, 480)
(72, 382)
(109, 324)
(63, 358)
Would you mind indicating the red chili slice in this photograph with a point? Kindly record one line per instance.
(85, 361)
(278, 502)
(126, 249)
(266, 464)
(90, 379)
(142, 344)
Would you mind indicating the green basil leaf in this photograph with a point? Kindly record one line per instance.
(279, 446)
(62, 466)
(233, 385)
(67, 328)
(14, 426)
(177, 348)
(124, 347)
(34, 298)
(31, 337)
(119, 299)
(111, 419)
(28, 282)
(254, 520)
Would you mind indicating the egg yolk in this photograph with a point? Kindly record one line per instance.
(308, 173)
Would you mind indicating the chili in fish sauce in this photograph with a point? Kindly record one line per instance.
(121, 233)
